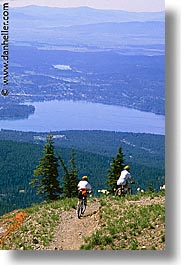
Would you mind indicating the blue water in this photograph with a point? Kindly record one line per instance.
(70, 115)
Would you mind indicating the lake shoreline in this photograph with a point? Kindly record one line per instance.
(61, 115)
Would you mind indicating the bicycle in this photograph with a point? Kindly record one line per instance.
(122, 191)
(81, 206)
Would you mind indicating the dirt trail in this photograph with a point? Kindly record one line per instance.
(70, 232)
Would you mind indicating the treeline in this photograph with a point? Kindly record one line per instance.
(100, 142)
(94, 151)
(139, 148)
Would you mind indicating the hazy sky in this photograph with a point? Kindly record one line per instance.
(129, 5)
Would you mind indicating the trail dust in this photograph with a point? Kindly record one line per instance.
(71, 231)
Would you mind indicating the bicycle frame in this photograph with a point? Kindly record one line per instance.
(121, 191)
(81, 207)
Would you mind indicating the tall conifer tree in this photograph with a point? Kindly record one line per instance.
(73, 175)
(70, 177)
(114, 172)
(46, 174)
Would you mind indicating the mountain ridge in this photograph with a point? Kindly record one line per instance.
(81, 15)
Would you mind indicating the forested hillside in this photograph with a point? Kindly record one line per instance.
(94, 151)
(18, 161)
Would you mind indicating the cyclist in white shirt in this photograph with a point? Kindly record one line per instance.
(124, 177)
(83, 186)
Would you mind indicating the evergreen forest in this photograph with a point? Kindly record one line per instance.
(93, 154)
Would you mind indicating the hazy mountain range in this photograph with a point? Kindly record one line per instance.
(86, 27)
(77, 16)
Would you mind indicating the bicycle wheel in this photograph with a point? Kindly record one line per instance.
(83, 206)
(118, 192)
(129, 192)
(79, 211)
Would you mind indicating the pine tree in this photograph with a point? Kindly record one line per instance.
(46, 174)
(114, 172)
(70, 177)
(73, 175)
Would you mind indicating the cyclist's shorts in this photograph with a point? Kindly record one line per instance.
(80, 195)
(123, 183)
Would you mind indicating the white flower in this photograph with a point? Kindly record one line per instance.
(162, 187)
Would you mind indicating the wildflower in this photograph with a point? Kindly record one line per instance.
(162, 187)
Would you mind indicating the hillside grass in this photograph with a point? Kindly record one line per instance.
(38, 227)
(136, 222)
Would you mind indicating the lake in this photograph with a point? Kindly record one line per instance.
(79, 115)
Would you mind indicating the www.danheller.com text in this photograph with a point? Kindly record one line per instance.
(5, 48)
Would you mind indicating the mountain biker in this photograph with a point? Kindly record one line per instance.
(124, 177)
(83, 186)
